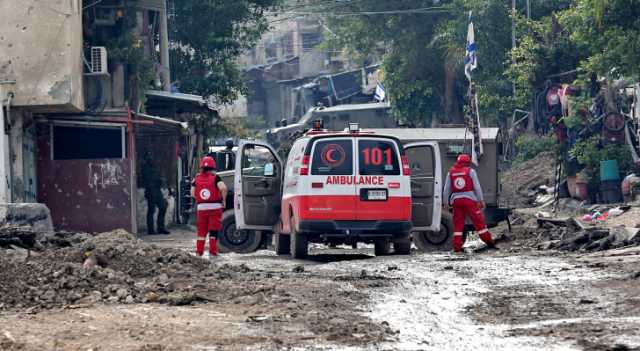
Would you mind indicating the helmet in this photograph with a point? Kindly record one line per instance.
(208, 162)
(229, 143)
(464, 159)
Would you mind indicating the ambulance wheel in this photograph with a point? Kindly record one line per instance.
(402, 247)
(436, 241)
(241, 241)
(299, 243)
(282, 244)
(382, 247)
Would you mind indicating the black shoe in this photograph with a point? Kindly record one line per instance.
(151, 232)
(164, 232)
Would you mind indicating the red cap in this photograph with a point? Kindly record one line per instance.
(208, 162)
(464, 159)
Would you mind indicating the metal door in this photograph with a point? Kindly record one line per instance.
(257, 186)
(426, 185)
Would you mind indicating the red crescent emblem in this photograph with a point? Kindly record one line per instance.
(333, 155)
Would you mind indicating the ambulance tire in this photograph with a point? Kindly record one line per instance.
(402, 247)
(382, 247)
(232, 240)
(434, 242)
(299, 243)
(282, 244)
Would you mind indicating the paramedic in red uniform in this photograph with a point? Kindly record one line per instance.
(210, 194)
(462, 191)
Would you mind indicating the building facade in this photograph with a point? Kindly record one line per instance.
(72, 79)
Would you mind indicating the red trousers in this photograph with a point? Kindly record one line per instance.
(463, 208)
(208, 222)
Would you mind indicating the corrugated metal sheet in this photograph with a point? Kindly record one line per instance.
(157, 5)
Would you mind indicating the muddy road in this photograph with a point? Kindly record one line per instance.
(349, 300)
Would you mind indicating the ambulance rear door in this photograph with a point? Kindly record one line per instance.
(383, 191)
(426, 185)
(257, 186)
(329, 190)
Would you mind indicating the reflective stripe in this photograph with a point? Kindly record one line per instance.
(209, 206)
(457, 234)
(202, 238)
(483, 231)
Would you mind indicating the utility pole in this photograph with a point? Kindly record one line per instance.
(513, 36)
(529, 9)
(164, 49)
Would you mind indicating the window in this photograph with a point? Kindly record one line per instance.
(421, 161)
(256, 160)
(310, 41)
(332, 157)
(378, 157)
(88, 143)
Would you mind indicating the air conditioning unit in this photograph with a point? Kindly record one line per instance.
(98, 62)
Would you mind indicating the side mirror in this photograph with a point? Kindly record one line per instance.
(268, 170)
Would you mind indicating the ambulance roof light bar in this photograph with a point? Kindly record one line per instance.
(354, 127)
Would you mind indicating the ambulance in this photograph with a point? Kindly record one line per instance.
(339, 188)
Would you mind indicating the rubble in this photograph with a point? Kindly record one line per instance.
(522, 184)
(576, 232)
(84, 271)
(113, 267)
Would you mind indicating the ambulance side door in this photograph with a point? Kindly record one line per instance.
(426, 185)
(257, 186)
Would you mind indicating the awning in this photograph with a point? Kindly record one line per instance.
(168, 104)
(159, 126)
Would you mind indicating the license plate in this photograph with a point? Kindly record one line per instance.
(377, 195)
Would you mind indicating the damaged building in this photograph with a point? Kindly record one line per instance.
(80, 111)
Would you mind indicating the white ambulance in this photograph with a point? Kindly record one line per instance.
(339, 188)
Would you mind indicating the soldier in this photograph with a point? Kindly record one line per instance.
(154, 196)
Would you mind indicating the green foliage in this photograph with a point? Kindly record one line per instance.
(590, 152)
(207, 36)
(529, 146)
(578, 113)
(608, 32)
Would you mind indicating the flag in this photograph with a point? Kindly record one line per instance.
(470, 59)
(381, 94)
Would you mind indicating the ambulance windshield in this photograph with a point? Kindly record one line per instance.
(378, 157)
(332, 157)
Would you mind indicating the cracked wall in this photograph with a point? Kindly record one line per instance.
(41, 49)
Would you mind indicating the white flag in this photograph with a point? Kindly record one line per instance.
(470, 59)
(381, 94)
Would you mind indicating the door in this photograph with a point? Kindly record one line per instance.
(330, 190)
(383, 192)
(257, 186)
(426, 185)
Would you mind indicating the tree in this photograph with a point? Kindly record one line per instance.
(206, 38)
(423, 45)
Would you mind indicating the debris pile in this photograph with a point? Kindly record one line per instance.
(522, 184)
(571, 234)
(75, 269)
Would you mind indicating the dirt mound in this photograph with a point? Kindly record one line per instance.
(111, 267)
(520, 184)
(72, 270)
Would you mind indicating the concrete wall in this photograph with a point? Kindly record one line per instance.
(41, 49)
